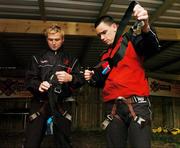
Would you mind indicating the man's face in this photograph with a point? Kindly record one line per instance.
(106, 32)
(55, 41)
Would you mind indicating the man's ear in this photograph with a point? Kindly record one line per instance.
(114, 25)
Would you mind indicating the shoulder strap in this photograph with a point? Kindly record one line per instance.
(53, 70)
(124, 21)
(121, 51)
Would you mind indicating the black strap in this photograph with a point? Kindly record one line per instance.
(53, 97)
(124, 21)
(121, 51)
(126, 37)
(54, 91)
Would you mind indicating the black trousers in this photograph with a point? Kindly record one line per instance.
(36, 129)
(119, 132)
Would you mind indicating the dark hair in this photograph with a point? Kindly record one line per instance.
(106, 19)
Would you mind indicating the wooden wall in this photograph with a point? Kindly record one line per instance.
(89, 112)
(166, 112)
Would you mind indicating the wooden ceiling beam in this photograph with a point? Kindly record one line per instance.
(71, 28)
(105, 7)
(165, 6)
(38, 27)
(42, 9)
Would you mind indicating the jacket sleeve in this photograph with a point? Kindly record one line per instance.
(77, 75)
(98, 79)
(32, 77)
(146, 44)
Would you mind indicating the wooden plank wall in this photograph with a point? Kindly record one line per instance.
(88, 113)
(165, 112)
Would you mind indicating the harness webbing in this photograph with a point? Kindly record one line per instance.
(124, 21)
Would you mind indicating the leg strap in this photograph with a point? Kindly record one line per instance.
(33, 116)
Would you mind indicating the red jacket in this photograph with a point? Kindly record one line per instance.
(127, 78)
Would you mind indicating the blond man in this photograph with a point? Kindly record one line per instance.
(52, 76)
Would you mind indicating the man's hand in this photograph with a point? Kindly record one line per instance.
(141, 14)
(44, 86)
(63, 77)
(88, 74)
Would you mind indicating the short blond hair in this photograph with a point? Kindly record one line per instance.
(54, 29)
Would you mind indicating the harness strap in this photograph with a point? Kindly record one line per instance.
(128, 101)
(121, 51)
(43, 109)
(33, 116)
(124, 21)
(113, 111)
(141, 121)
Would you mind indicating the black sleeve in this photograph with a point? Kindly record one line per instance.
(32, 77)
(77, 76)
(146, 44)
(98, 79)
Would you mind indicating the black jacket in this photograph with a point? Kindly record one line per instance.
(43, 66)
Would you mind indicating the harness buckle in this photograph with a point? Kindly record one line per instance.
(106, 122)
(57, 90)
(34, 116)
(67, 116)
(136, 28)
(141, 121)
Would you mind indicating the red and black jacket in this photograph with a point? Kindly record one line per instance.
(127, 76)
(42, 67)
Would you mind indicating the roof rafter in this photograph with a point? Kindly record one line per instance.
(166, 4)
(105, 7)
(42, 9)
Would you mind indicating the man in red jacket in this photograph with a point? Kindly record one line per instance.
(125, 87)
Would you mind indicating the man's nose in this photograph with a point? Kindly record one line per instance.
(53, 41)
(102, 37)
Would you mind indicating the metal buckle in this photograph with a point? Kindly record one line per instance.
(106, 122)
(34, 116)
(140, 120)
(57, 90)
(136, 28)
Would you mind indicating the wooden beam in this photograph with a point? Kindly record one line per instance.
(105, 7)
(165, 33)
(42, 9)
(38, 27)
(166, 5)
(71, 28)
